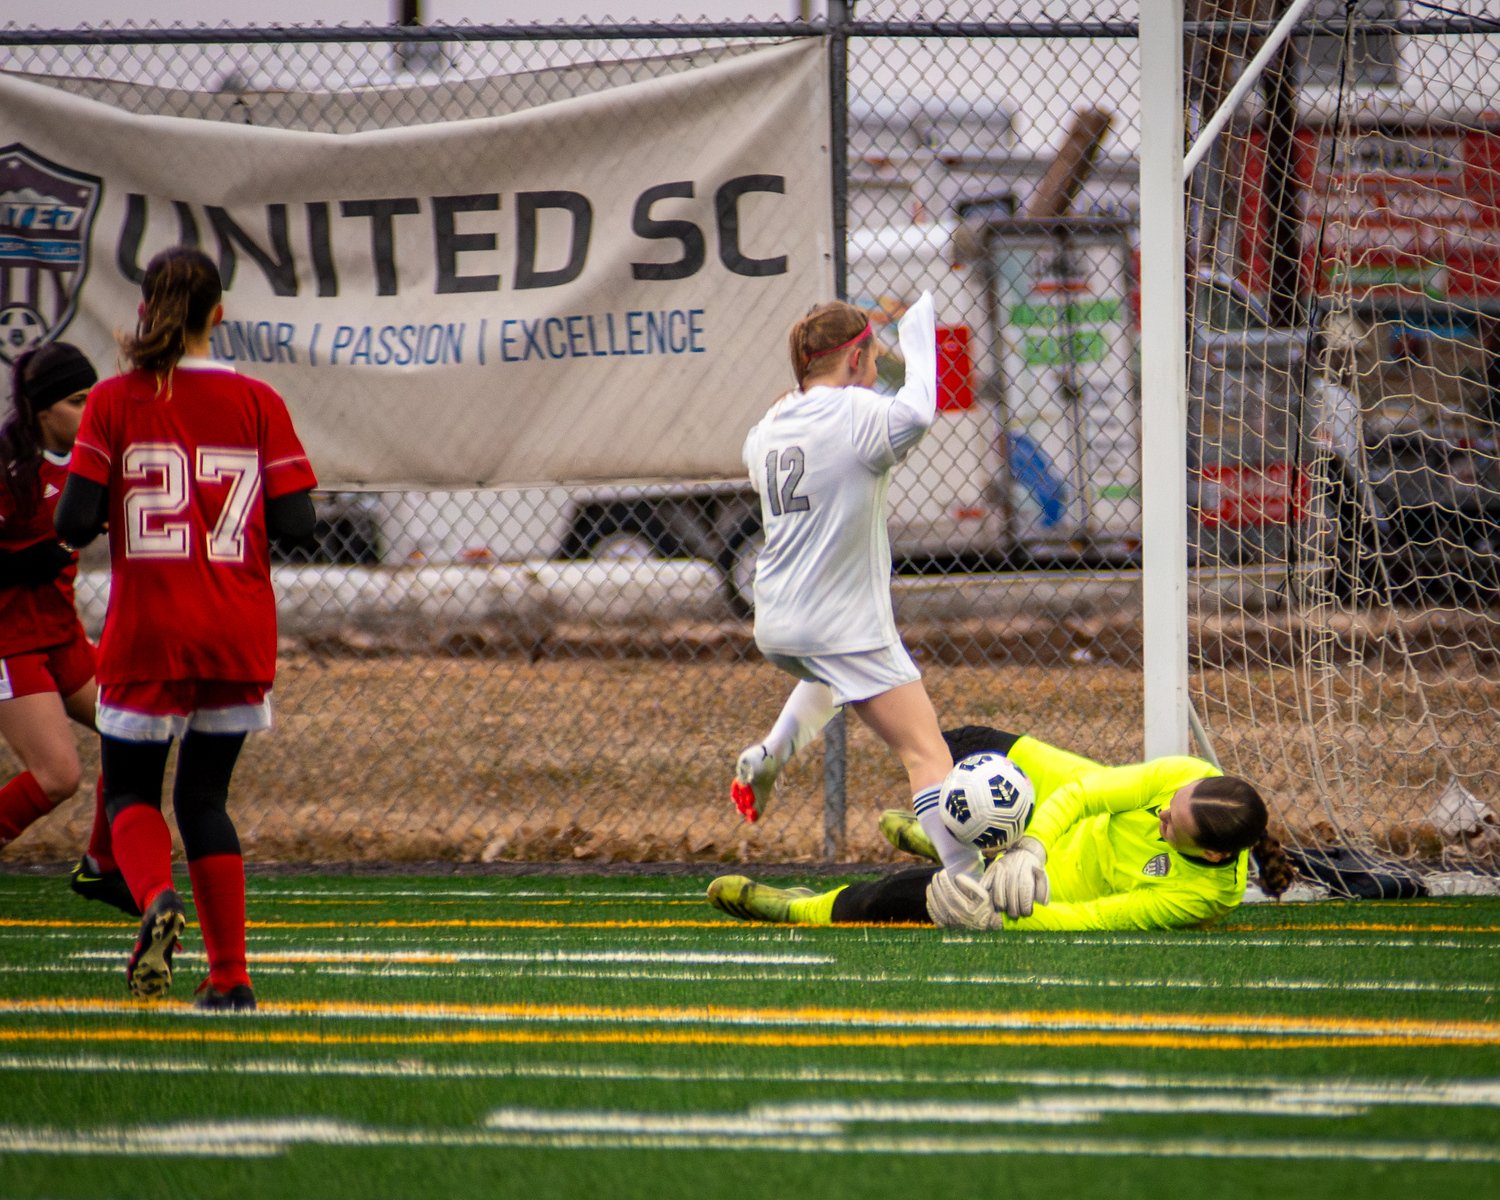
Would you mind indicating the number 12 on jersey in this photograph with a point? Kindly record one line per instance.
(784, 470)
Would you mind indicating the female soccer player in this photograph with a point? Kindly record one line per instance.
(1156, 845)
(193, 467)
(46, 659)
(821, 461)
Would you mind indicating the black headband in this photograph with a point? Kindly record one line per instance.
(65, 373)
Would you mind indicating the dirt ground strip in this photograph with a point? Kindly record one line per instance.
(624, 754)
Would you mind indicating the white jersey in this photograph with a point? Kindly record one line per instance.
(821, 462)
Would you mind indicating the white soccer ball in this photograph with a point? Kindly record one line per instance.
(986, 801)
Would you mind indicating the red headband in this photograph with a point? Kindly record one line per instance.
(858, 337)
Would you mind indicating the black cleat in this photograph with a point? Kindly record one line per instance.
(149, 971)
(109, 886)
(239, 998)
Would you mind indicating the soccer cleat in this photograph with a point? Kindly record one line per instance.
(754, 781)
(149, 971)
(239, 998)
(109, 886)
(902, 829)
(751, 901)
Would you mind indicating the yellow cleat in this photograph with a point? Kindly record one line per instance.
(751, 901)
(901, 828)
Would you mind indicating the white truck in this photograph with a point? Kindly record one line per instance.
(944, 503)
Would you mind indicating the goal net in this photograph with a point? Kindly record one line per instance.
(1344, 407)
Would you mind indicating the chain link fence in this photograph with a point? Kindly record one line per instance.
(567, 671)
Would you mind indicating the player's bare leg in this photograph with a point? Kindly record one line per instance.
(37, 729)
(905, 720)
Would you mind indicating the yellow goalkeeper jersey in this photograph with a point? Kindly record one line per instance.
(1107, 864)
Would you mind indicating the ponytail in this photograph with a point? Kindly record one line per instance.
(1275, 869)
(180, 289)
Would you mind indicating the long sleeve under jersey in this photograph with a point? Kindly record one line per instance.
(1107, 863)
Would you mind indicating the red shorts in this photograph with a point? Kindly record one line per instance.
(62, 669)
(159, 710)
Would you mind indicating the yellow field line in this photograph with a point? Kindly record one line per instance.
(968, 1020)
(874, 1039)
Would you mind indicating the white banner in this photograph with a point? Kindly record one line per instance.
(590, 289)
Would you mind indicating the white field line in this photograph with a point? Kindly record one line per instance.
(347, 962)
(444, 957)
(1292, 985)
(351, 963)
(626, 1131)
(1288, 943)
(1106, 1086)
(1026, 1111)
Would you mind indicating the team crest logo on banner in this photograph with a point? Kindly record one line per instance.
(46, 213)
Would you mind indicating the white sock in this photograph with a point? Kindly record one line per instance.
(802, 717)
(955, 855)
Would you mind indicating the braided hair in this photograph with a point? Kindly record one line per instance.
(39, 378)
(180, 289)
(1231, 817)
(823, 330)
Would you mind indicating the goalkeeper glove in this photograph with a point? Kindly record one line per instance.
(959, 901)
(1018, 878)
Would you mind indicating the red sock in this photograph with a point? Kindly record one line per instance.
(219, 897)
(143, 850)
(101, 845)
(22, 801)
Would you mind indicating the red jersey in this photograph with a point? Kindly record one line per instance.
(34, 618)
(188, 473)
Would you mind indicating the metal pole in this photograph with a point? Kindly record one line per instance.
(1242, 85)
(840, 12)
(1163, 382)
(835, 779)
(835, 741)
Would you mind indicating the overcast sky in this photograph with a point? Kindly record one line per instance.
(69, 14)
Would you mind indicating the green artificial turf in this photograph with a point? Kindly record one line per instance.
(545, 1036)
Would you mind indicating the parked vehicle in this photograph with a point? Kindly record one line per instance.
(1246, 426)
(346, 532)
(1416, 520)
(1033, 458)
(944, 504)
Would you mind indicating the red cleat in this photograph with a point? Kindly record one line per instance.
(743, 796)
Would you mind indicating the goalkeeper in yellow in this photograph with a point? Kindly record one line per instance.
(1163, 844)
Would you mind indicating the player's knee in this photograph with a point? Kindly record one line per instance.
(58, 780)
(203, 821)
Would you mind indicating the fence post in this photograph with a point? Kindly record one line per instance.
(835, 744)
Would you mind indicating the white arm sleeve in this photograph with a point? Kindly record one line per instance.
(915, 406)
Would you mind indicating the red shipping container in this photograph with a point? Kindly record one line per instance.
(1240, 497)
(955, 369)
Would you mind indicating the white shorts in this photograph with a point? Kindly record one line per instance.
(161, 711)
(853, 677)
(148, 727)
